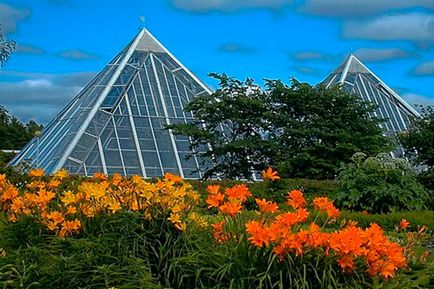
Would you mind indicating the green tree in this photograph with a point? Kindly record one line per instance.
(418, 143)
(305, 131)
(318, 129)
(6, 48)
(13, 133)
(230, 122)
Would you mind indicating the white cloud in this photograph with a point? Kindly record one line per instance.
(10, 16)
(227, 5)
(37, 83)
(339, 8)
(417, 27)
(77, 55)
(235, 48)
(312, 55)
(425, 68)
(356, 8)
(28, 49)
(381, 54)
(413, 99)
(40, 96)
(306, 70)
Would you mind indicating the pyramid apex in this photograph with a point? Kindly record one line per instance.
(351, 64)
(147, 42)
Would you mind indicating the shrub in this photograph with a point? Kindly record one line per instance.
(380, 184)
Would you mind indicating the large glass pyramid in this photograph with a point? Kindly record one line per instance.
(356, 78)
(116, 123)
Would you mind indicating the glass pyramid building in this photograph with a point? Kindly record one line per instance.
(356, 78)
(116, 123)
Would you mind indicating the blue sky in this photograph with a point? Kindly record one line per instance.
(63, 43)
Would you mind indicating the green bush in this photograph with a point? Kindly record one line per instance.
(380, 184)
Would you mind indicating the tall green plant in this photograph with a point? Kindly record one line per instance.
(380, 184)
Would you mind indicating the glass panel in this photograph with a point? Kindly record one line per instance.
(191, 174)
(151, 159)
(126, 76)
(167, 60)
(149, 100)
(137, 58)
(189, 82)
(111, 148)
(113, 96)
(115, 170)
(93, 162)
(183, 146)
(187, 161)
(74, 167)
(153, 88)
(83, 147)
(153, 172)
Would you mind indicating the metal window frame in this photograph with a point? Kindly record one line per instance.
(166, 117)
(99, 101)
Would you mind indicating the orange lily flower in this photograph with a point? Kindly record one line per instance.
(36, 173)
(266, 206)
(404, 224)
(231, 208)
(296, 199)
(270, 175)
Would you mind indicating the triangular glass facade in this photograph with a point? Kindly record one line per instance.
(356, 78)
(116, 123)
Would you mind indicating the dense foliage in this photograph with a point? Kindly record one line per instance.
(380, 184)
(6, 48)
(5, 158)
(131, 233)
(305, 131)
(418, 143)
(231, 121)
(320, 128)
(13, 133)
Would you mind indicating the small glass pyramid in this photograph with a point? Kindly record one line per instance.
(116, 123)
(356, 78)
